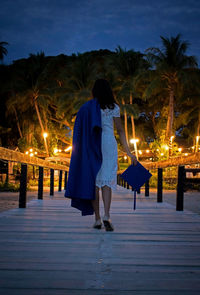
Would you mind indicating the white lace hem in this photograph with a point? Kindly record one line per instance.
(111, 183)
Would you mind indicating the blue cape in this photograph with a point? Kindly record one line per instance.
(86, 158)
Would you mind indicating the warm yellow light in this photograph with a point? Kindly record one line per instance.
(31, 150)
(186, 154)
(35, 153)
(140, 152)
(26, 153)
(162, 154)
(180, 149)
(60, 150)
(45, 134)
(157, 150)
(165, 147)
(125, 157)
(134, 140)
(147, 151)
(55, 150)
(192, 147)
(31, 154)
(172, 137)
(68, 149)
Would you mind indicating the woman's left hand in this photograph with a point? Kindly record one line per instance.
(133, 160)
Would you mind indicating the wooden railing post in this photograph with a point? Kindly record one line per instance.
(124, 184)
(60, 181)
(160, 185)
(147, 189)
(65, 185)
(51, 182)
(40, 183)
(23, 186)
(180, 188)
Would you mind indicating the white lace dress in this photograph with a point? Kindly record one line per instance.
(107, 174)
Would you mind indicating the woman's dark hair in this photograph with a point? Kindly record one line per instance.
(103, 92)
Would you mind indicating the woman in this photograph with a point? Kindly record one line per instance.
(107, 176)
(93, 162)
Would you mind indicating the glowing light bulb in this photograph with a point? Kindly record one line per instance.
(180, 149)
(45, 134)
(134, 140)
(26, 153)
(147, 151)
(31, 154)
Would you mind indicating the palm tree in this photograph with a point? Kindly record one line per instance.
(3, 50)
(170, 64)
(127, 65)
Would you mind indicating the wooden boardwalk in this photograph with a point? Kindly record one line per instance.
(49, 248)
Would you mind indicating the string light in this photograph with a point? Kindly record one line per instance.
(45, 134)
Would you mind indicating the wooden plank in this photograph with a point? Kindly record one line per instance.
(49, 248)
(13, 156)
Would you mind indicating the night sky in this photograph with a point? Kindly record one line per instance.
(67, 26)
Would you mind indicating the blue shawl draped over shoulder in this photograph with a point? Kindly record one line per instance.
(86, 158)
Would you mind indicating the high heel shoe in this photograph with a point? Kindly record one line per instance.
(107, 224)
(97, 224)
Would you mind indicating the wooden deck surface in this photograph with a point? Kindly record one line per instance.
(48, 248)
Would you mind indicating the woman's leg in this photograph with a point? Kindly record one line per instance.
(106, 195)
(95, 204)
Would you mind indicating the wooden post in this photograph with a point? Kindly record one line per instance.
(60, 181)
(40, 183)
(51, 182)
(180, 188)
(124, 184)
(160, 185)
(120, 180)
(65, 185)
(147, 189)
(23, 186)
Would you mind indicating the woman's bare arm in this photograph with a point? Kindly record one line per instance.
(122, 137)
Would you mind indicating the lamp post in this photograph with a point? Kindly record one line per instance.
(171, 145)
(134, 141)
(45, 135)
(197, 143)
